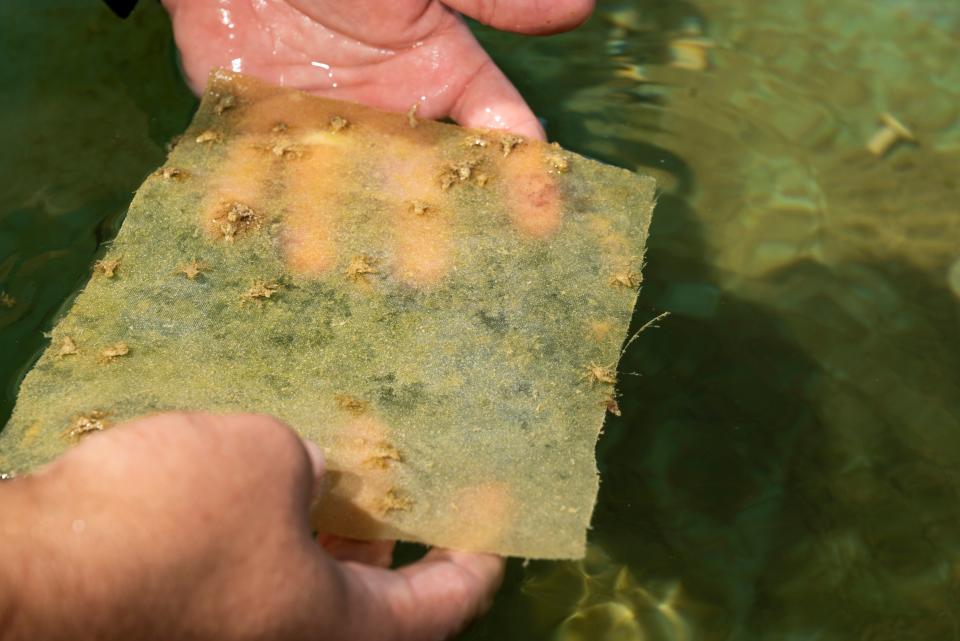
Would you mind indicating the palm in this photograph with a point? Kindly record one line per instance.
(390, 54)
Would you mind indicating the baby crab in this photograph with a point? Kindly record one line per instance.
(87, 424)
(261, 290)
(627, 279)
(420, 208)
(508, 142)
(67, 348)
(352, 404)
(454, 173)
(225, 103)
(107, 266)
(361, 266)
(113, 352)
(171, 173)
(193, 269)
(209, 136)
(393, 501)
(602, 374)
(236, 218)
(611, 405)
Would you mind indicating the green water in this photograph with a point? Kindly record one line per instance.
(787, 465)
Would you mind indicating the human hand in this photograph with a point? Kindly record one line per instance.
(195, 526)
(389, 54)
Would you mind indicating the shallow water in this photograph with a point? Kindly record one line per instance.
(787, 465)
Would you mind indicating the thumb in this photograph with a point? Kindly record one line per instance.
(318, 467)
(488, 100)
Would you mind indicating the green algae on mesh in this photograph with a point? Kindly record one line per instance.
(438, 352)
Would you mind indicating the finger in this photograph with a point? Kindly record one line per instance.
(490, 101)
(532, 17)
(376, 553)
(433, 598)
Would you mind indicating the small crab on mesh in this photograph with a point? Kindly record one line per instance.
(394, 501)
(476, 140)
(171, 173)
(236, 218)
(225, 103)
(361, 266)
(338, 123)
(193, 269)
(283, 147)
(457, 172)
(261, 290)
(607, 374)
(557, 161)
(67, 348)
(600, 374)
(111, 353)
(209, 136)
(420, 208)
(352, 404)
(627, 279)
(84, 424)
(611, 404)
(384, 455)
(509, 142)
(108, 266)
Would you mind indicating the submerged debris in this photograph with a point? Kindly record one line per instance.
(87, 424)
(67, 348)
(338, 123)
(225, 103)
(508, 142)
(352, 404)
(360, 266)
(6, 300)
(235, 219)
(193, 269)
(209, 136)
(690, 53)
(412, 115)
(113, 352)
(890, 133)
(633, 72)
(108, 266)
